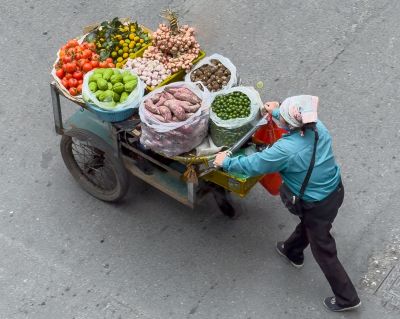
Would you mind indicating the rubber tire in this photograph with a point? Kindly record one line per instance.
(122, 181)
(222, 198)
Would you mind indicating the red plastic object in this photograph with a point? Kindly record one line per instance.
(272, 182)
(269, 134)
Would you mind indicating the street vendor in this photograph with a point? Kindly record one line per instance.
(321, 199)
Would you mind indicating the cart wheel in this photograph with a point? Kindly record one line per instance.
(221, 196)
(91, 162)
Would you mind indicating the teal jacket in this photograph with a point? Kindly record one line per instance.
(291, 156)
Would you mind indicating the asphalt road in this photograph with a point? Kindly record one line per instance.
(64, 254)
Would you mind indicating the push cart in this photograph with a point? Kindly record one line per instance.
(100, 155)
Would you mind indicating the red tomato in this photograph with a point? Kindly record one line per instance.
(70, 67)
(60, 73)
(73, 91)
(87, 54)
(110, 65)
(91, 46)
(65, 83)
(109, 60)
(79, 88)
(95, 64)
(73, 82)
(77, 75)
(87, 67)
(72, 43)
(67, 59)
(103, 64)
(80, 82)
(70, 51)
(78, 56)
(82, 62)
(68, 76)
(95, 57)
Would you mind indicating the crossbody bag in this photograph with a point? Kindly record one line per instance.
(289, 199)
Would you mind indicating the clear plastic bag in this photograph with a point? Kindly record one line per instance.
(131, 102)
(174, 138)
(227, 132)
(226, 62)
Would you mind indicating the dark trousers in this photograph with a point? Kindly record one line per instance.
(314, 229)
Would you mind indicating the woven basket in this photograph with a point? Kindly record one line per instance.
(63, 90)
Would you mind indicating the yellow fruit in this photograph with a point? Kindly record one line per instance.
(114, 54)
(119, 59)
(125, 44)
(136, 38)
(116, 48)
(131, 50)
(125, 55)
(141, 40)
(122, 42)
(127, 41)
(132, 55)
(138, 45)
(102, 40)
(125, 49)
(132, 45)
(118, 65)
(132, 36)
(118, 36)
(120, 51)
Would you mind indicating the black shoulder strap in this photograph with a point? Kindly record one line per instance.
(312, 163)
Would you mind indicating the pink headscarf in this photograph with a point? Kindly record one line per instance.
(299, 110)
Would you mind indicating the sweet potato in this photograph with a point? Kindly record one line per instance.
(161, 101)
(165, 112)
(176, 109)
(189, 97)
(156, 98)
(148, 104)
(159, 117)
(168, 96)
(189, 107)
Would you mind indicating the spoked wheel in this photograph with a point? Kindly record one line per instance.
(91, 162)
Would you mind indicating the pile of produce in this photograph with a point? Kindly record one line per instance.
(151, 72)
(74, 61)
(111, 86)
(119, 41)
(174, 119)
(176, 47)
(214, 76)
(231, 106)
(173, 105)
(232, 114)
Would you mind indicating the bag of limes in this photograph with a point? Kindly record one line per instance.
(233, 113)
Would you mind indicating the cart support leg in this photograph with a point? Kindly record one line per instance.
(55, 100)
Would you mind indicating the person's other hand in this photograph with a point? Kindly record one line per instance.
(269, 107)
(219, 159)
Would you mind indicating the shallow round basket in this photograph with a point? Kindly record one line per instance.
(109, 115)
(78, 98)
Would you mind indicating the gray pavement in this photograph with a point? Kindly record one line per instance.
(64, 254)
